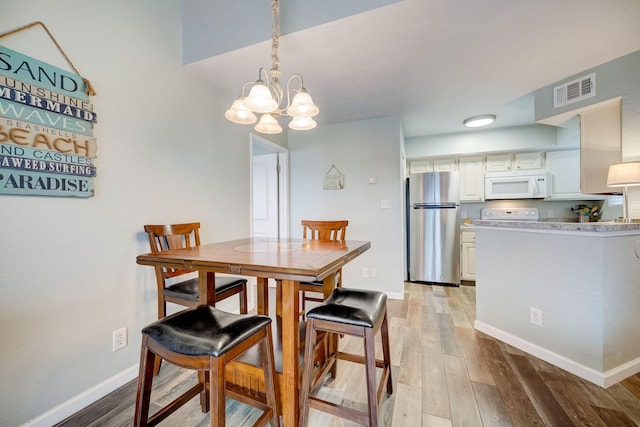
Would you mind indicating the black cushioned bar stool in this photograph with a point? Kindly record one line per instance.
(351, 312)
(206, 339)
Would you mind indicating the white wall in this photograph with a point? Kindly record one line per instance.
(68, 276)
(359, 150)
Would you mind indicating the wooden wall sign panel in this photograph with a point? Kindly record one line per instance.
(45, 93)
(44, 184)
(47, 104)
(29, 159)
(25, 113)
(30, 70)
(47, 146)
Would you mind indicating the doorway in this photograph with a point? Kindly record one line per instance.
(269, 189)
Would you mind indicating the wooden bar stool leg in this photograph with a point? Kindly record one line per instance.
(308, 372)
(217, 392)
(143, 397)
(203, 378)
(370, 362)
(386, 354)
(268, 363)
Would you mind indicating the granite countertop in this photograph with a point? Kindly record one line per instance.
(555, 225)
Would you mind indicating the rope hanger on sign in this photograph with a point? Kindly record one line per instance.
(88, 87)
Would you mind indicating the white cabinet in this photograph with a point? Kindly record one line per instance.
(522, 161)
(499, 162)
(471, 179)
(600, 144)
(445, 165)
(514, 161)
(420, 166)
(468, 253)
(565, 170)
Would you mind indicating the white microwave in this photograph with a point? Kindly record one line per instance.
(524, 184)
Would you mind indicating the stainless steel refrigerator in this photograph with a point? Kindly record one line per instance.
(433, 234)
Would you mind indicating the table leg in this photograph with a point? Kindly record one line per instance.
(290, 353)
(263, 295)
(278, 299)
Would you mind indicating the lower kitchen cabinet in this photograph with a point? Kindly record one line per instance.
(468, 254)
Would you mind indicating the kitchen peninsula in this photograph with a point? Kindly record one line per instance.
(568, 293)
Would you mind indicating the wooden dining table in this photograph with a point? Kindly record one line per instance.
(289, 261)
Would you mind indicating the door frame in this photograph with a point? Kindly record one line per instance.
(259, 145)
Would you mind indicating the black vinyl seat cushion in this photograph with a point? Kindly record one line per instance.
(351, 306)
(204, 330)
(188, 289)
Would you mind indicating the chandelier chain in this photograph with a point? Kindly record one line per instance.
(275, 35)
(275, 87)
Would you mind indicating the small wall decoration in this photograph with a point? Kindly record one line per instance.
(47, 146)
(333, 179)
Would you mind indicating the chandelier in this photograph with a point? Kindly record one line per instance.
(266, 97)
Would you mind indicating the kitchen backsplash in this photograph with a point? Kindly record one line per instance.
(546, 209)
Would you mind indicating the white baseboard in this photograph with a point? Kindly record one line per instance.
(602, 379)
(84, 399)
(395, 295)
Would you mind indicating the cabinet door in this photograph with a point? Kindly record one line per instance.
(499, 162)
(471, 179)
(524, 161)
(565, 168)
(445, 165)
(421, 166)
(468, 258)
(600, 144)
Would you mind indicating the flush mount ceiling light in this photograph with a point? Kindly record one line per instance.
(267, 96)
(479, 121)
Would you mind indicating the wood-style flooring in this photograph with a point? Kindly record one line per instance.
(445, 374)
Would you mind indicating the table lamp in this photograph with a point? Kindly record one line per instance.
(624, 175)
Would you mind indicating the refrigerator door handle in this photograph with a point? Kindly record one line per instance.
(431, 206)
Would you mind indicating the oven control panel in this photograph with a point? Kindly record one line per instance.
(509, 214)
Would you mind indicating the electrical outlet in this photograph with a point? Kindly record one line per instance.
(372, 272)
(535, 316)
(365, 272)
(119, 338)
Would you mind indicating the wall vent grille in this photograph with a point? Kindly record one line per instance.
(575, 90)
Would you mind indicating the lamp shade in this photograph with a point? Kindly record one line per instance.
(624, 174)
(239, 113)
(302, 105)
(302, 123)
(260, 99)
(268, 124)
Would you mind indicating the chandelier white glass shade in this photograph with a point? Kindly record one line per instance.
(268, 124)
(267, 97)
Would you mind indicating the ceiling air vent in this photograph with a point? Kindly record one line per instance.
(575, 90)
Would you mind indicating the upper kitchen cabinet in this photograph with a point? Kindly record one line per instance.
(600, 144)
(471, 179)
(499, 162)
(522, 161)
(449, 164)
(420, 166)
(514, 161)
(565, 167)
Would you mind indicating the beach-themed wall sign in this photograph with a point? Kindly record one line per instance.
(333, 179)
(47, 146)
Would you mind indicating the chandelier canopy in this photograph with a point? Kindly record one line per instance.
(267, 97)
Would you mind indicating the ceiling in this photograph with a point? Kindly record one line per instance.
(433, 63)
